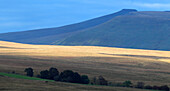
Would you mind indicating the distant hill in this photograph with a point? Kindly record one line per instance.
(127, 28)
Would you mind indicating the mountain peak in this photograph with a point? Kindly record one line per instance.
(128, 10)
(125, 11)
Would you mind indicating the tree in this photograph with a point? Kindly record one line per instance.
(85, 79)
(57, 78)
(67, 76)
(76, 78)
(73, 77)
(52, 73)
(101, 81)
(127, 83)
(44, 74)
(29, 72)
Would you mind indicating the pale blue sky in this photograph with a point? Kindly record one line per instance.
(20, 15)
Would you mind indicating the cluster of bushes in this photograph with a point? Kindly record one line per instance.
(139, 85)
(65, 76)
(74, 77)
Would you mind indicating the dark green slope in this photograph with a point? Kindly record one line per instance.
(126, 28)
(144, 30)
(53, 35)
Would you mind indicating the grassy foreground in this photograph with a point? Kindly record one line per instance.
(13, 82)
(22, 77)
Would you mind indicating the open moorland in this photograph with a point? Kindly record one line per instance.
(115, 64)
(12, 84)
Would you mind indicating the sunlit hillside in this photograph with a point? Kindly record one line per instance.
(10, 48)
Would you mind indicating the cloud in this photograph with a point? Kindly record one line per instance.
(153, 5)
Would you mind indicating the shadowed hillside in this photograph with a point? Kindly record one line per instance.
(51, 35)
(127, 28)
(145, 30)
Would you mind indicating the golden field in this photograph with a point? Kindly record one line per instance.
(9, 48)
(115, 64)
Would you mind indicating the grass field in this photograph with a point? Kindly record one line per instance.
(22, 77)
(13, 84)
(28, 84)
(20, 83)
(115, 64)
(9, 48)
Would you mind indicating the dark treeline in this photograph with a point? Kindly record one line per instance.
(65, 76)
(139, 85)
(75, 77)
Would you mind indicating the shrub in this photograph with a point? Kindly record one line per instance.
(44, 74)
(66, 76)
(70, 76)
(29, 72)
(52, 73)
(85, 79)
(76, 78)
(57, 78)
(127, 83)
(101, 81)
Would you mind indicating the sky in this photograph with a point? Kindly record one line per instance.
(22, 15)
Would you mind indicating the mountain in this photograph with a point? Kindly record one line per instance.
(127, 28)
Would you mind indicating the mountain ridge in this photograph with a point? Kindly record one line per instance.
(127, 28)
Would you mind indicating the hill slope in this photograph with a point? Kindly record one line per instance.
(115, 64)
(12, 84)
(137, 30)
(126, 28)
(10, 48)
(50, 35)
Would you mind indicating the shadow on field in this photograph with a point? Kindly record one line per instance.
(14, 47)
(144, 56)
